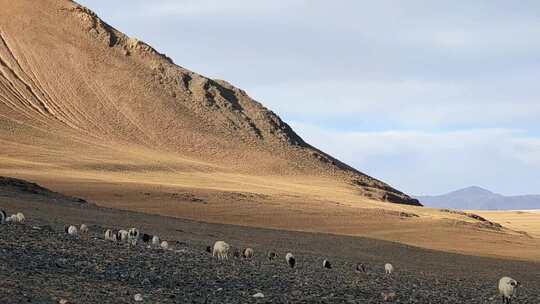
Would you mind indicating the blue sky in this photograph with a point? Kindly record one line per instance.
(429, 96)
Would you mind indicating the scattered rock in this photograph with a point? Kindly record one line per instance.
(389, 296)
(138, 297)
(258, 295)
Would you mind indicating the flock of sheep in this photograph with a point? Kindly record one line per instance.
(222, 250)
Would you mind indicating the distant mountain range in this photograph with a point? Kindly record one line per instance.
(481, 199)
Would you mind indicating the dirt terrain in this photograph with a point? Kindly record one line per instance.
(39, 263)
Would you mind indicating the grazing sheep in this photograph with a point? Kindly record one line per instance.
(109, 235)
(133, 236)
(360, 267)
(12, 218)
(3, 217)
(221, 250)
(146, 238)
(271, 255)
(122, 235)
(388, 268)
(326, 264)
(164, 245)
(72, 230)
(507, 289)
(248, 253)
(83, 230)
(155, 241)
(289, 257)
(20, 217)
(209, 249)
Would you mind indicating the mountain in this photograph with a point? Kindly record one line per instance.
(85, 108)
(480, 199)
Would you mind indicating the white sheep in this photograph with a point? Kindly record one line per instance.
(164, 245)
(11, 219)
(155, 241)
(133, 236)
(326, 264)
(248, 253)
(20, 217)
(3, 217)
(507, 289)
(388, 268)
(289, 258)
(83, 230)
(72, 230)
(122, 235)
(221, 249)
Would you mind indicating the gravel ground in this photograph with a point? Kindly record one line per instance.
(41, 264)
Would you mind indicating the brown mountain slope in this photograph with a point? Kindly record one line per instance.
(79, 96)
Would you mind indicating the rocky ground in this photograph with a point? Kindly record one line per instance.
(39, 263)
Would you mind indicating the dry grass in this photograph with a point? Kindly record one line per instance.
(527, 221)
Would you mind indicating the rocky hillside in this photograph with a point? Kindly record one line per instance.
(72, 88)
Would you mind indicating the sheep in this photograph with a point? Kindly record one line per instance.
(326, 264)
(83, 230)
(289, 258)
(109, 235)
(155, 241)
(72, 230)
(20, 217)
(3, 217)
(209, 249)
(221, 250)
(146, 238)
(507, 289)
(360, 267)
(271, 255)
(133, 236)
(122, 235)
(248, 253)
(164, 245)
(388, 268)
(236, 253)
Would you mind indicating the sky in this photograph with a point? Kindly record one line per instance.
(428, 96)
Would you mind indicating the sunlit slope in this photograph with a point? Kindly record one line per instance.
(527, 221)
(78, 97)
